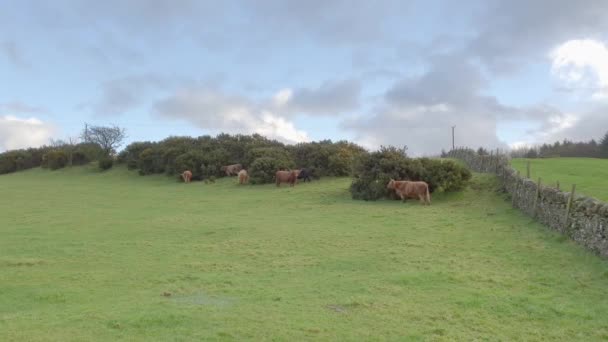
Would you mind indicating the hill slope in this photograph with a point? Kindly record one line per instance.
(90, 256)
(589, 174)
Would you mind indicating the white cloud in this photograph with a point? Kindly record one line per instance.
(16, 133)
(582, 64)
(282, 97)
(214, 110)
(277, 127)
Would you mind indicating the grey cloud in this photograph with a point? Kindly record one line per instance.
(592, 124)
(17, 107)
(419, 111)
(13, 53)
(207, 108)
(330, 98)
(118, 96)
(513, 32)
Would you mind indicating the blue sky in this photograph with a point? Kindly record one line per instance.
(505, 73)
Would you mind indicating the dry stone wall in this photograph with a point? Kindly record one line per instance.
(586, 221)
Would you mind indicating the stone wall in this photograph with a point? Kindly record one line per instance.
(586, 222)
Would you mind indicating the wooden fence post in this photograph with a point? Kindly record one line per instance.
(568, 207)
(557, 185)
(528, 169)
(536, 197)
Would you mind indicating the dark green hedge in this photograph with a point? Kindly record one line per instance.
(205, 156)
(372, 172)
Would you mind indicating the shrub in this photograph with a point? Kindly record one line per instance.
(263, 169)
(372, 172)
(106, 163)
(55, 159)
(150, 161)
(190, 161)
(445, 175)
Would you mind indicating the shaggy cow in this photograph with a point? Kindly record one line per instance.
(232, 170)
(187, 176)
(243, 177)
(289, 177)
(304, 174)
(408, 189)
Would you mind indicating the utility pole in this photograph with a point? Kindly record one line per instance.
(453, 147)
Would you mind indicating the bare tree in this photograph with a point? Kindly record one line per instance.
(108, 137)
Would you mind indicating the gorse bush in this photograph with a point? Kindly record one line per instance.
(373, 171)
(205, 156)
(78, 154)
(54, 160)
(106, 163)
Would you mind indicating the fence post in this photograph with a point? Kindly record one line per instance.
(497, 159)
(528, 169)
(536, 197)
(568, 207)
(557, 185)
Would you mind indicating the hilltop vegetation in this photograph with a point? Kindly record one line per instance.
(86, 255)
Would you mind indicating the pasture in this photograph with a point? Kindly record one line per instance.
(86, 255)
(589, 174)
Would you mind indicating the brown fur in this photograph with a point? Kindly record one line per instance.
(187, 176)
(243, 177)
(288, 177)
(232, 170)
(408, 189)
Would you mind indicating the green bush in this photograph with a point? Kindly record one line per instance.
(55, 159)
(150, 162)
(323, 158)
(106, 163)
(190, 161)
(263, 169)
(372, 172)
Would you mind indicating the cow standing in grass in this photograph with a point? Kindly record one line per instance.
(243, 177)
(408, 189)
(187, 176)
(304, 174)
(289, 177)
(232, 170)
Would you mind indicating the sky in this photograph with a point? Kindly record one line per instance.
(505, 73)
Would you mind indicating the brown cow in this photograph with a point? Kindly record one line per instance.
(408, 189)
(187, 176)
(288, 177)
(243, 177)
(232, 170)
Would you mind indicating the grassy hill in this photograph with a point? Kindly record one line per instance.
(589, 174)
(114, 256)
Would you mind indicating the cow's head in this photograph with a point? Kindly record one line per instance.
(391, 184)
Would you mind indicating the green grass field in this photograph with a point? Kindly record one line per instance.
(589, 174)
(114, 256)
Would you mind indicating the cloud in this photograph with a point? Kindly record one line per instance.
(511, 34)
(419, 111)
(13, 53)
(118, 96)
(16, 133)
(214, 110)
(582, 65)
(592, 124)
(18, 107)
(330, 98)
